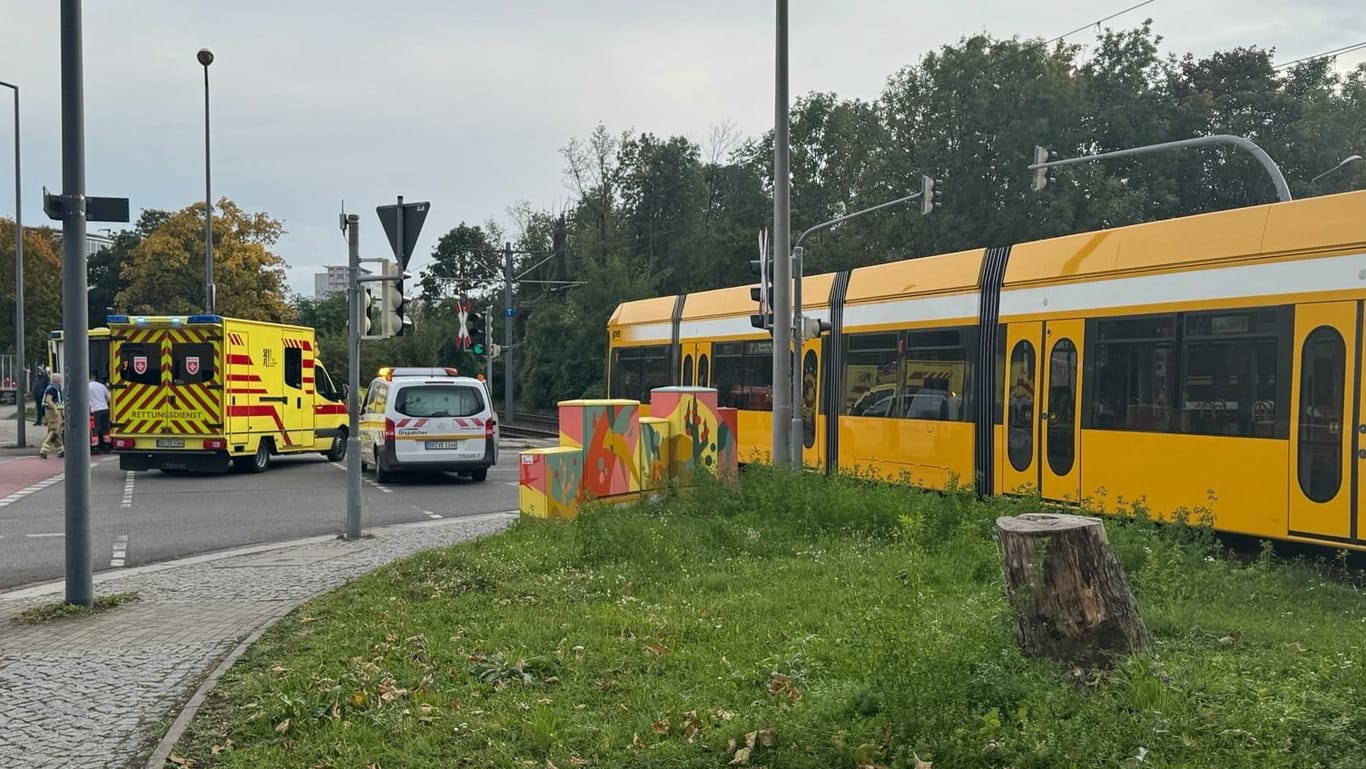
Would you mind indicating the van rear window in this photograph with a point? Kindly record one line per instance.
(140, 363)
(439, 401)
(192, 363)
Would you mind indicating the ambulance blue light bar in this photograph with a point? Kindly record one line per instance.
(206, 318)
(116, 319)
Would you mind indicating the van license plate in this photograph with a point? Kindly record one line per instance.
(170, 443)
(443, 444)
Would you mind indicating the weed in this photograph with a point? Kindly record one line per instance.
(55, 611)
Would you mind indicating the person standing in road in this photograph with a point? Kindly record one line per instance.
(99, 409)
(52, 409)
(40, 381)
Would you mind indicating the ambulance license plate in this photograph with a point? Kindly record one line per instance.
(434, 445)
(170, 443)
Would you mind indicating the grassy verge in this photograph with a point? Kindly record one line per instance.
(796, 622)
(54, 611)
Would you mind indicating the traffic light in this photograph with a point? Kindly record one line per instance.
(763, 293)
(931, 194)
(396, 320)
(1042, 176)
(367, 300)
(474, 324)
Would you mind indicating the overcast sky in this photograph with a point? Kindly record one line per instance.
(466, 104)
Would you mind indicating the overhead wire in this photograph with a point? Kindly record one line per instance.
(1324, 55)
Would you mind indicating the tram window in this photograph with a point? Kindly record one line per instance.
(808, 395)
(757, 393)
(654, 371)
(1322, 373)
(871, 371)
(1062, 399)
(937, 374)
(687, 370)
(1230, 382)
(1134, 364)
(703, 371)
(728, 373)
(735, 375)
(1020, 435)
(625, 380)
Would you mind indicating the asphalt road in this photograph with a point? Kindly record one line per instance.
(138, 518)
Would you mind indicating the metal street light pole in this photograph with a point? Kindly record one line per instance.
(1041, 162)
(1345, 161)
(75, 313)
(205, 57)
(21, 385)
(796, 433)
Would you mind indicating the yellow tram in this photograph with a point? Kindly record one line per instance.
(1212, 361)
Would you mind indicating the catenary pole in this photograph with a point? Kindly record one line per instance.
(782, 266)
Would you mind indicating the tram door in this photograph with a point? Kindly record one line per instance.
(1327, 421)
(1042, 405)
(696, 369)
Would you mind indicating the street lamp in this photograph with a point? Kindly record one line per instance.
(1345, 161)
(205, 57)
(21, 385)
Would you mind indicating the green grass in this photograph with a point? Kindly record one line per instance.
(796, 622)
(54, 611)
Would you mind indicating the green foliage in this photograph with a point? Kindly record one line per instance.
(164, 271)
(42, 289)
(657, 216)
(329, 315)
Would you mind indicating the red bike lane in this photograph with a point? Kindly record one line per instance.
(19, 473)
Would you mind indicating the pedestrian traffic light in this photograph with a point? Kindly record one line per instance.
(396, 303)
(762, 293)
(931, 194)
(1042, 176)
(474, 324)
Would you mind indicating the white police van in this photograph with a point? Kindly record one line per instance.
(429, 419)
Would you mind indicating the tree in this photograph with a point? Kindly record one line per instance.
(466, 260)
(329, 315)
(165, 271)
(42, 290)
(104, 268)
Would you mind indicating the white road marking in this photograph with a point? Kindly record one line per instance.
(127, 491)
(433, 516)
(47, 534)
(120, 551)
(34, 489)
(364, 480)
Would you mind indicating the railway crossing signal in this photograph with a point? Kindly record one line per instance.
(478, 334)
(763, 293)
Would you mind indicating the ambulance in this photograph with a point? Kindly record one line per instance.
(205, 393)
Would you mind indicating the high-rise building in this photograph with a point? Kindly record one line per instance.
(332, 282)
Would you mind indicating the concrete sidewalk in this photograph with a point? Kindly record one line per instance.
(99, 692)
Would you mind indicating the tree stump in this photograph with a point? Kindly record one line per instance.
(1067, 590)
